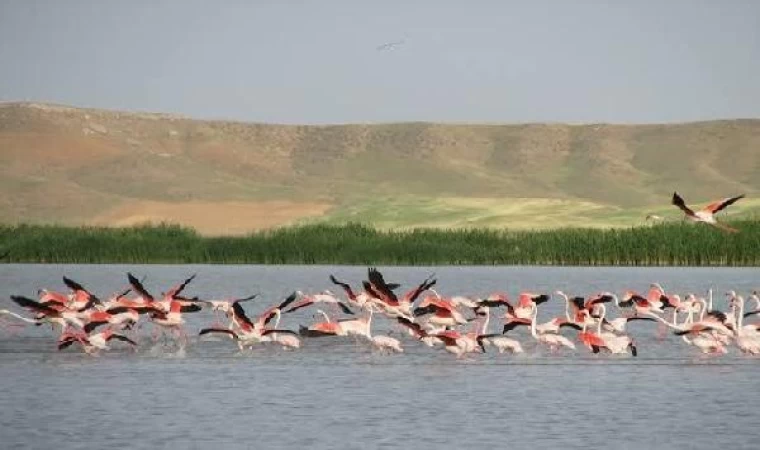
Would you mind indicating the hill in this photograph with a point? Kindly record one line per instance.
(84, 166)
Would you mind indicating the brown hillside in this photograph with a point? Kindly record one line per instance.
(74, 166)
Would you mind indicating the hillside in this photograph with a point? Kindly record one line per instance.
(83, 166)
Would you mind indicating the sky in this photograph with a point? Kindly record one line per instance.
(318, 62)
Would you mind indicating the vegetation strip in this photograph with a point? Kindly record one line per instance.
(668, 244)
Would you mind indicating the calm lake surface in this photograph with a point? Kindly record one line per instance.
(337, 393)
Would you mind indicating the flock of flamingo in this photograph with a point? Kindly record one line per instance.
(459, 324)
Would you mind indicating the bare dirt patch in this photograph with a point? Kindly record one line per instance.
(213, 218)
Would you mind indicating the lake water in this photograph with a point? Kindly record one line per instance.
(337, 393)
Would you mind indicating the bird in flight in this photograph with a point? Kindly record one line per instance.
(390, 45)
(707, 214)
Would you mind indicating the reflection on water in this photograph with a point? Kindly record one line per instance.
(340, 394)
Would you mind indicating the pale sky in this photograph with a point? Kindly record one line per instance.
(282, 61)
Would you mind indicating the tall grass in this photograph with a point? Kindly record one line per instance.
(666, 244)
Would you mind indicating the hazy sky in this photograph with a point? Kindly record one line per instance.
(317, 62)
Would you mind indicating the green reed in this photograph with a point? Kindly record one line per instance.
(674, 244)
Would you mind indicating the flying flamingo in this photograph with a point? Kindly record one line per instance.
(52, 312)
(388, 300)
(224, 306)
(707, 214)
(323, 297)
(81, 297)
(359, 299)
(93, 342)
(326, 328)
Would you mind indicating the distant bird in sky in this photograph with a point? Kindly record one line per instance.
(390, 45)
(707, 214)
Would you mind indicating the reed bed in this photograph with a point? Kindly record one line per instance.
(670, 244)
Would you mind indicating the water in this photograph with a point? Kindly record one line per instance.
(339, 394)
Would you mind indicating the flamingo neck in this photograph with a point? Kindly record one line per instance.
(710, 300)
(484, 328)
(369, 322)
(601, 319)
(704, 308)
(567, 305)
(740, 319)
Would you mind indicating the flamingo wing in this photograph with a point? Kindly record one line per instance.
(379, 285)
(266, 332)
(138, 287)
(678, 201)
(239, 312)
(568, 324)
(78, 288)
(73, 285)
(371, 290)
(90, 326)
(541, 298)
(343, 285)
(290, 299)
(577, 303)
(415, 327)
(176, 290)
(245, 299)
(226, 331)
(721, 204)
(121, 337)
(345, 308)
(28, 303)
(512, 324)
(604, 298)
(298, 305)
(426, 284)
(66, 342)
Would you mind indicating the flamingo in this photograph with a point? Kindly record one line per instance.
(502, 343)
(747, 339)
(641, 305)
(613, 342)
(525, 303)
(444, 314)
(554, 341)
(52, 312)
(224, 306)
(81, 297)
(115, 316)
(387, 298)
(323, 297)
(286, 338)
(326, 328)
(381, 342)
(356, 299)
(707, 214)
(701, 339)
(94, 342)
(455, 342)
